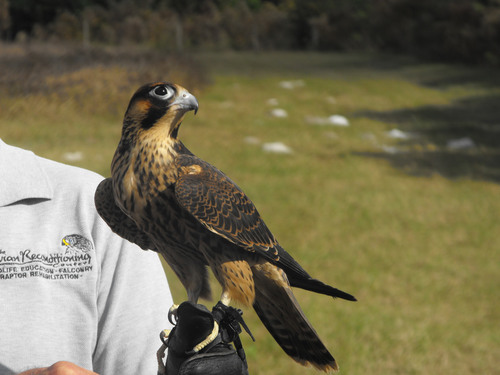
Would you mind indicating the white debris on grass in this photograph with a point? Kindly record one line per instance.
(314, 120)
(398, 134)
(290, 85)
(272, 102)
(73, 156)
(276, 148)
(279, 112)
(331, 100)
(369, 137)
(460, 144)
(330, 135)
(251, 140)
(391, 149)
(336, 120)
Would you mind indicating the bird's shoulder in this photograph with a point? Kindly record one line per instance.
(194, 172)
(222, 207)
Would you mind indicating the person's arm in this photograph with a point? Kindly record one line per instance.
(59, 368)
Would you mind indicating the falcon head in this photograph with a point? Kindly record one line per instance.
(160, 106)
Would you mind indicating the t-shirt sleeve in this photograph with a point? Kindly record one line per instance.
(133, 302)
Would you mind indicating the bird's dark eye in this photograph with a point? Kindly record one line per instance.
(162, 92)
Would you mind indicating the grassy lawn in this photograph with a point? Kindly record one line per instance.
(409, 225)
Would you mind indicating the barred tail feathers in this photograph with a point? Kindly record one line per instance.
(281, 314)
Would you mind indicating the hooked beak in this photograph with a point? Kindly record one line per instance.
(186, 102)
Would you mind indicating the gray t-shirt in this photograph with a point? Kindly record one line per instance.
(70, 289)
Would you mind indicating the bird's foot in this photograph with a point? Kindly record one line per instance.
(164, 335)
(172, 314)
(160, 354)
(230, 322)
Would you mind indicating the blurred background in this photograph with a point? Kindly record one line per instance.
(366, 132)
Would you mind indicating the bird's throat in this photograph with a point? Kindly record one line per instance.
(144, 171)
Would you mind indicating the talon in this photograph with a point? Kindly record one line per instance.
(230, 319)
(172, 314)
(164, 335)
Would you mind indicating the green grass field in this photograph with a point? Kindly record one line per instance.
(409, 226)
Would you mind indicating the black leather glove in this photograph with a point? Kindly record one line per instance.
(195, 346)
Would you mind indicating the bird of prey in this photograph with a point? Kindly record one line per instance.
(164, 198)
(76, 243)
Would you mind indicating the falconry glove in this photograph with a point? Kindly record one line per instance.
(195, 346)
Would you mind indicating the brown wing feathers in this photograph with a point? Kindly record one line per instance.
(221, 206)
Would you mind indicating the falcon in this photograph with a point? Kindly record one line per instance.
(164, 198)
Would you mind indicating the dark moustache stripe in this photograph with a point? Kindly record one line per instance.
(154, 114)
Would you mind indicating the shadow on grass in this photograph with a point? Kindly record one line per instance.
(474, 119)
(452, 165)
(444, 76)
